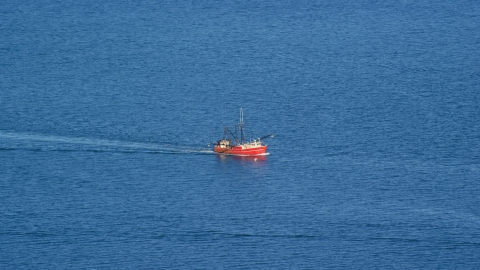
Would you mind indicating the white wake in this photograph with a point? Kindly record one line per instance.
(28, 141)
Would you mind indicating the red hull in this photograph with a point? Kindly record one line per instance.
(238, 151)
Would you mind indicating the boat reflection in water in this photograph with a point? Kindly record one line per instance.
(258, 158)
(253, 164)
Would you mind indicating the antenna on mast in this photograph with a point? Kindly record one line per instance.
(241, 116)
(241, 126)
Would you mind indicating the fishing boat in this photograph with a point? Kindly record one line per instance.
(233, 143)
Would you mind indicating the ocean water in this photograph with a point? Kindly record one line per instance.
(107, 109)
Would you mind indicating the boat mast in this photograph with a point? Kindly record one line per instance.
(242, 138)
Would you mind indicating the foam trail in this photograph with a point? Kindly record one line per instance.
(115, 144)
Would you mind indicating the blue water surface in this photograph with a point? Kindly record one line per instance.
(107, 109)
